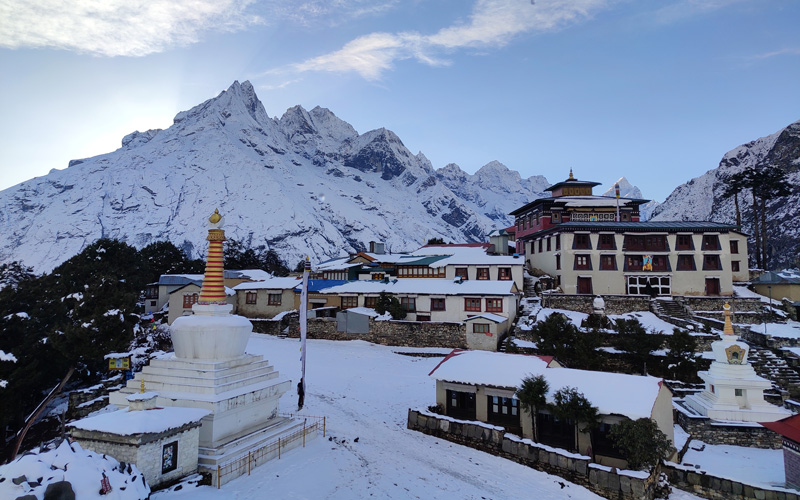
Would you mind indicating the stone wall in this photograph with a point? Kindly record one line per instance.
(741, 304)
(575, 468)
(615, 304)
(717, 488)
(702, 429)
(395, 333)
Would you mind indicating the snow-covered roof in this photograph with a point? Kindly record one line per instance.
(488, 316)
(467, 255)
(127, 423)
(366, 311)
(785, 277)
(612, 393)
(269, 284)
(425, 286)
(251, 274)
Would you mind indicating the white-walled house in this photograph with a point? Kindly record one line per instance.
(434, 299)
(265, 299)
(158, 294)
(481, 385)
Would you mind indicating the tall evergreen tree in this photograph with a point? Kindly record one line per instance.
(532, 395)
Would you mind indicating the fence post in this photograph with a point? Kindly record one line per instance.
(279, 448)
(219, 477)
(248, 463)
(323, 426)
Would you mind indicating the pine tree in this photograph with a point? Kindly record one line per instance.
(532, 395)
(571, 404)
(634, 339)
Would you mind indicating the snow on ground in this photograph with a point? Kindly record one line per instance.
(743, 291)
(753, 466)
(365, 392)
(574, 316)
(650, 321)
(788, 330)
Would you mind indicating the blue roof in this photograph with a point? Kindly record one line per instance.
(317, 285)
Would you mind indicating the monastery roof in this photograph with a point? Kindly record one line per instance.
(127, 423)
(576, 201)
(183, 279)
(424, 286)
(612, 393)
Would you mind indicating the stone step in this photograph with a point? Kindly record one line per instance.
(195, 385)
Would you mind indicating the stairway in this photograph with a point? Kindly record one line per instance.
(528, 285)
(672, 309)
(774, 368)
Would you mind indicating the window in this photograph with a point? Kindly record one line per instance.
(505, 412)
(548, 244)
(583, 262)
(152, 292)
(189, 299)
(649, 285)
(710, 242)
(472, 305)
(558, 242)
(370, 302)
(556, 217)
(606, 242)
(738, 392)
(251, 298)
(711, 263)
(348, 302)
(660, 263)
(633, 262)
(461, 405)
(645, 243)
(494, 305)
(376, 276)
(602, 444)
(735, 266)
(684, 242)
(462, 272)
(504, 273)
(169, 457)
(608, 263)
(556, 432)
(274, 299)
(409, 303)
(734, 246)
(582, 242)
(686, 263)
(541, 247)
(437, 304)
(558, 262)
(480, 328)
(483, 273)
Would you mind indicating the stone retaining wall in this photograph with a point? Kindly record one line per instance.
(700, 428)
(615, 304)
(717, 488)
(574, 468)
(395, 333)
(742, 304)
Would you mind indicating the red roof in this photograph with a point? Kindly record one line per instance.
(788, 427)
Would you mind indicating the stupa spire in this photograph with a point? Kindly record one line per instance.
(213, 291)
(728, 328)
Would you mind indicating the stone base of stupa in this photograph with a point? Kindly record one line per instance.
(242, 395)
(723, 405)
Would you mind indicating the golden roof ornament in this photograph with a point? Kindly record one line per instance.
(215, 217)
(571, 177)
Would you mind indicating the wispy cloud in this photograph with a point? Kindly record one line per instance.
(142, 27)
(686, 9)
(783, 52)
(117, 27)
(492, 23)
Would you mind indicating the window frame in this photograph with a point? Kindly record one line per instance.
(482, 273)
(494, 305)
(251, 298)
(349, 301)
(604, 261)
(484, 328)
(409, 304)
(437, 302)
(504, 273)
(463, 272)
(472, 304)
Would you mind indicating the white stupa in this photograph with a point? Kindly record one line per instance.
(733, 390)
(210, 370)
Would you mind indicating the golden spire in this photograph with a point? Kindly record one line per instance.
(728, 328)
(571, 177)
(213, 291)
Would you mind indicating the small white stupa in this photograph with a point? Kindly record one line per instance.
(733, 390)
(210, 370)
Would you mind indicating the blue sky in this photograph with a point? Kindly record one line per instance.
(653, 90)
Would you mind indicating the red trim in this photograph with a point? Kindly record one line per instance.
(453, 353)
(788, 427)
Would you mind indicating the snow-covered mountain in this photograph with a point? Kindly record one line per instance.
(304, 184)
(628, 190)
(701, 198)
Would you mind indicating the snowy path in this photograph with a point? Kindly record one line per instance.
(365, 391)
